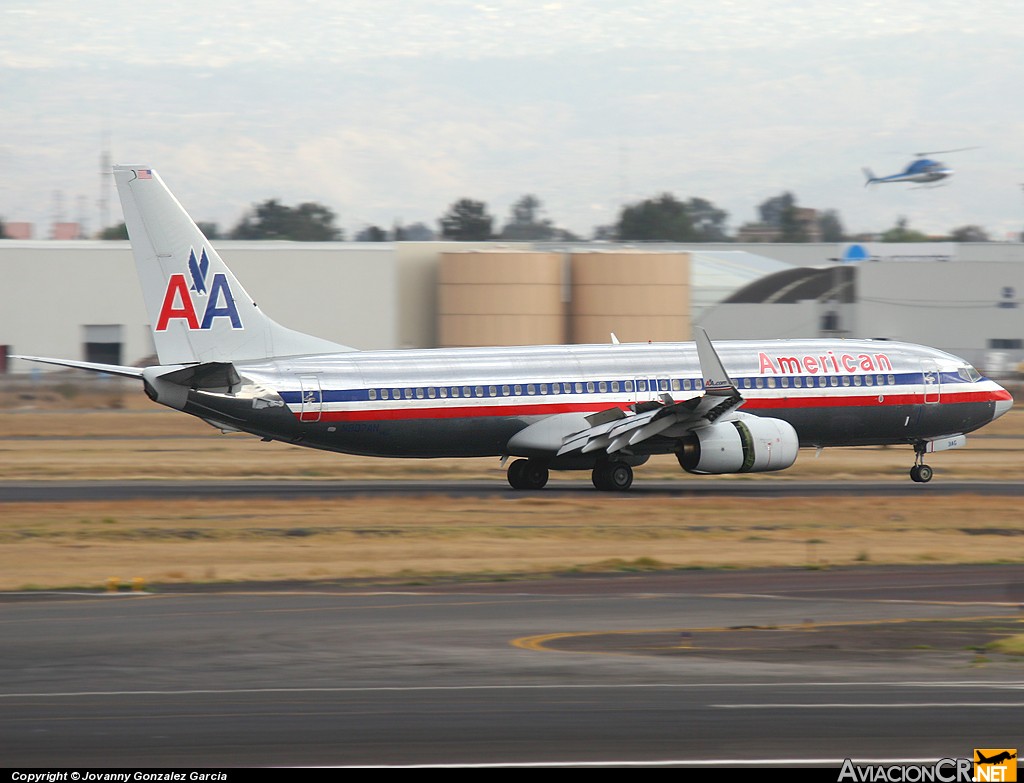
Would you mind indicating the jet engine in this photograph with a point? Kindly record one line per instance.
(746, 444)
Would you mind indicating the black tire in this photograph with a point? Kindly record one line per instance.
(620, 476)
(612, 476)
(534, 476)
(515, 474)
(915, 474)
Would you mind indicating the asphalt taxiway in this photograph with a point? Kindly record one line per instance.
(789, 666)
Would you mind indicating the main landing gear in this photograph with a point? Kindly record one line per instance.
(920, 473)
(612, 476)
(527, 474)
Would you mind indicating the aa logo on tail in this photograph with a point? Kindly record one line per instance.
(184, 302)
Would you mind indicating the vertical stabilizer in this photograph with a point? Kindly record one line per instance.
(199, 312)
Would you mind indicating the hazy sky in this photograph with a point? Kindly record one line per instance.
(393, 110)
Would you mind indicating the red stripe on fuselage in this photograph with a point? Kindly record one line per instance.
(551, 409)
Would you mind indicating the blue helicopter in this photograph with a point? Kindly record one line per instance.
(921, 171)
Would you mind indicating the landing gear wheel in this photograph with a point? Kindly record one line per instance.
(613, 476)
(527, 474)
(922, 474)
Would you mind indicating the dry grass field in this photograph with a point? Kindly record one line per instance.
(44, 545)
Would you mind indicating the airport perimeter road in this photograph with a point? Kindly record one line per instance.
(67, 491)
(790, 666)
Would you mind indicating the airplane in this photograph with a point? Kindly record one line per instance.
(602, 408)
(996, 759)
(922, 171)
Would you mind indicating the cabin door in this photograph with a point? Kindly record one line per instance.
(931, 381)
(312, 398)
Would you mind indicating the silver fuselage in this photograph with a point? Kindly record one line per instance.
(470, 402)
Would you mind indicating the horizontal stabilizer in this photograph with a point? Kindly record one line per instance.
(109, 369)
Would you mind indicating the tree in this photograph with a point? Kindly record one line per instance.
(372, 234)
(901, 232)
(467, 221)
(831, 226)
(969, 234)
(525, 223)
(416, 232)
(773, 210)
(791, 227)
(210, 230)
(708, 220)
(663, 218)
(120, 231)
(308, 222)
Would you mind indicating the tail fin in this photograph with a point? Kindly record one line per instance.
(198, 310)
(869, 176)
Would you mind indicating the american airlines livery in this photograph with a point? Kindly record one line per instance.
(603, 408)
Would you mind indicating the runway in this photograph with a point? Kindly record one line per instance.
(50, 491)
(784, 666)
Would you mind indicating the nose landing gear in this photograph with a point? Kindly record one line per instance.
(920, 473)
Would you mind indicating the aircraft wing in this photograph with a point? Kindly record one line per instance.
(614, 429)
(110, 369)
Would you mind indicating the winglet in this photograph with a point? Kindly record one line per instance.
(716, 379)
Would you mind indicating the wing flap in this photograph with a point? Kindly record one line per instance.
(613, 430)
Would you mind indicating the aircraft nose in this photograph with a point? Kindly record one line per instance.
(1003, 404)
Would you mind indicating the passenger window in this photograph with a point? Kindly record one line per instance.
(479, 391)
(759, 382)
(383, 394)
(443, 391)
(408, 394)
(556, 388)
(835, 381)
(492, 391)
(432, 392)
(543, 388)
(663, 385)
(675, 385)
(602, 387)
(686, 384)
(641, 385)
(846, 380)
(531, 389)
(519, 389)
(419, 394)
(784, 382)
(455, 391)
(629, 386)
(857, 380)
(798, 383)
(373, 394)
(869, 380)
(771, 383)
(892, 380)
(590, 387)
(579, 388)
(615, 386)
(505, 391)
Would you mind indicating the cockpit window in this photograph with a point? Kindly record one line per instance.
(968, 373)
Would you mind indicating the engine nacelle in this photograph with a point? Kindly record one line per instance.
(746, 444)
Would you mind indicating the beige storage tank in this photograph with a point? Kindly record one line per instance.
(501, 297)
(639, 295)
